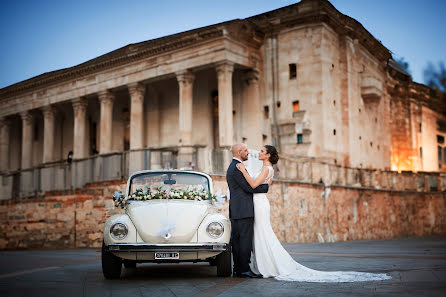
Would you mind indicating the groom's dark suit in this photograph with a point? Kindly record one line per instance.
(241, 213)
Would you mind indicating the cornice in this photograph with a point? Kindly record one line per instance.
(407, 91)
(247, 32)
(320, 11)
(124, 55)
(251, 31)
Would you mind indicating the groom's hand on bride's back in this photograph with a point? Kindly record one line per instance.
(263, 188)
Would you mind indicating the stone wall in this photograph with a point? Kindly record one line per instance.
(65, 219)
(309, 170)
(300, 212)
(310, 212)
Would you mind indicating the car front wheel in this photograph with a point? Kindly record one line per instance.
(224, 263)
(129, 264)
(111, 265)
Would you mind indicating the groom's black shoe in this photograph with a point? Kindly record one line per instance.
(236, 273)
(250, 274)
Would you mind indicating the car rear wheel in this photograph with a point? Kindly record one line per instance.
(224, 263)
(111, 265)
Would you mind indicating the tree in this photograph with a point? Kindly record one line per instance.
(435, 78)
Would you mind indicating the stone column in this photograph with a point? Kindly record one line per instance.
(106, 99)
(186, 85)
(48, 133)
(253, 127)
(80, 123)
(225, 124)
(152, 130)
(185, 81)
(137, 92)
(4, 144)
(27, 139)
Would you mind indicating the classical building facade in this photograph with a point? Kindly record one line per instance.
(305, 77)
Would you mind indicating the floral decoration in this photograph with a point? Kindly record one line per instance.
(196, 193)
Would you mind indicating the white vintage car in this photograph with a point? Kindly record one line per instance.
(169, 217)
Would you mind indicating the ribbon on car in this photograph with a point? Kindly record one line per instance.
(168, 225)
(220, 199)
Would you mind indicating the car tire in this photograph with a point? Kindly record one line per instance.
(224, 263)
(111, 265)
(129, 264)
(213, 261)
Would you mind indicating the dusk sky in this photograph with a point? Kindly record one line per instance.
(47, 35)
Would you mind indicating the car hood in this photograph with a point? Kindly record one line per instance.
(159, 221)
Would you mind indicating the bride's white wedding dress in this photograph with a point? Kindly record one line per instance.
(270, 259)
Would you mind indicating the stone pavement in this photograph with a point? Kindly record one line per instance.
(417, 267)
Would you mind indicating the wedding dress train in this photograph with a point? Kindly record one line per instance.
(271, 260)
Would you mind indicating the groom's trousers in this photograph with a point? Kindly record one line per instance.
(242, 231)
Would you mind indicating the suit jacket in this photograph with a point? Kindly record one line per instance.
(240, 203)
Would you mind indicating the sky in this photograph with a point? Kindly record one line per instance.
(38, 36)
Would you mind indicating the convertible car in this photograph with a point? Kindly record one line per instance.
(170, 216)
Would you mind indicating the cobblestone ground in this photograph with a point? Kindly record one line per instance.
(417, 267)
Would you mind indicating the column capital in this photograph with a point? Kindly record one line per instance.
(251, 76)
(224, 67)
(48, 111)
(106, 96)
(5, 122)
(79, 104)
(185, 76)
(26, 116)
(136, 87)
(136, 91)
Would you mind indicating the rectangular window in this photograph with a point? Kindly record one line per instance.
(295, 106)
(419, 127)
(440, 152)
(440, 139)
(421, 152)
(293, 71)
(266, 111)
(444, 155)
(299, 138)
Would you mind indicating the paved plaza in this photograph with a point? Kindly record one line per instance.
(417, 267)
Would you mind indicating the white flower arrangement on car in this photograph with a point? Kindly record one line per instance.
(196, 193)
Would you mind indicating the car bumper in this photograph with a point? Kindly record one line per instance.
(167, 247)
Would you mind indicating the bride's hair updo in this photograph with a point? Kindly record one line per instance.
(273, 154)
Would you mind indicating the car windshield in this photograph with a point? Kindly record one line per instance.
(168, 180)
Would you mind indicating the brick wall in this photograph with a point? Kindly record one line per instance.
(300, 212)
(59, 219)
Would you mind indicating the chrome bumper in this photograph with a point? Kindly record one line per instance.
(168, 247)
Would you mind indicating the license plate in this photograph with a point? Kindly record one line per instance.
(172, 255)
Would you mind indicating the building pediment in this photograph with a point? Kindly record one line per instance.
(238, 29)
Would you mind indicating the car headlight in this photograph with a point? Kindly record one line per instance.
(119, 231)
(215, 229)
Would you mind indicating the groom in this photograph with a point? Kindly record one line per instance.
(241, 213)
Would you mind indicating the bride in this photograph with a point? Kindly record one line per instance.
(269, 257)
